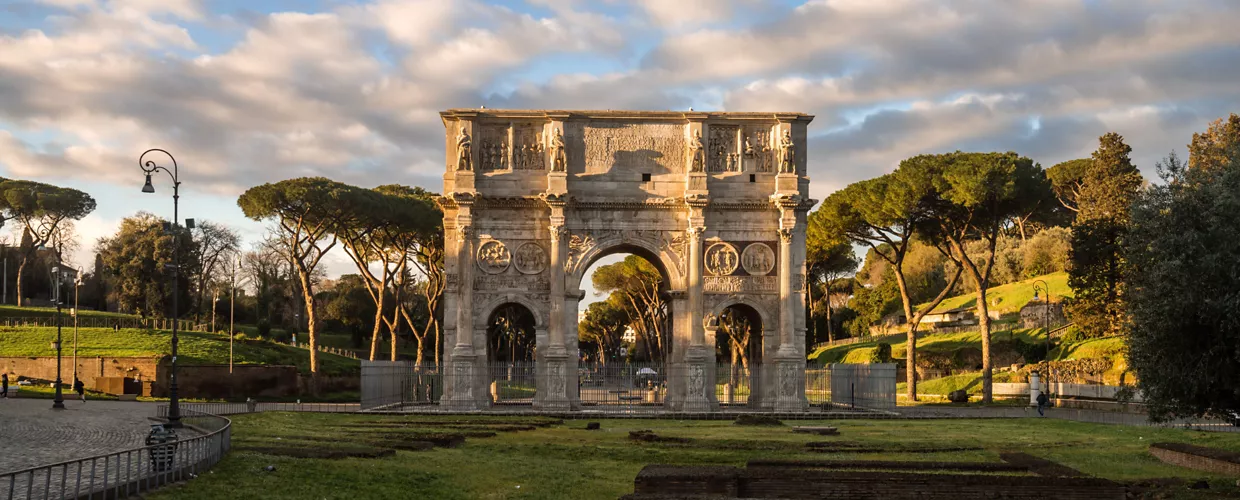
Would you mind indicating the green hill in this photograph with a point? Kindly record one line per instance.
(12, 311)
(1011, 297)
(193, 347)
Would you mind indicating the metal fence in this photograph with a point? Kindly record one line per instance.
(631, 387)
(869, 387)
(101, 322)
(205, 440)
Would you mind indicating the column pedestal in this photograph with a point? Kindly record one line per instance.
(789, 395)
(466, 390)
(556, 383)
(697, 361)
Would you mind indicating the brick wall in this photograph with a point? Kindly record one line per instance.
(89, 368)
(802, 483)
(1185, 458)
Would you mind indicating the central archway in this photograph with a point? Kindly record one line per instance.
(627, 341)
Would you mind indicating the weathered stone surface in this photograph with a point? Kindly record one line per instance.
(716, 201)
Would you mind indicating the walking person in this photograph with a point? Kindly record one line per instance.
(80, 388)
(4, 386)
(1042, 403)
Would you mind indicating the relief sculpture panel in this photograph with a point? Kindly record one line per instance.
(493, 144)
(758, 259)
(528, 150)
(648, 146)
(723, 154)
(493, 257)
(740, 284)
(721, 259)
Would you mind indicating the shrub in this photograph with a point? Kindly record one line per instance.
(881, 354)
(264, 329)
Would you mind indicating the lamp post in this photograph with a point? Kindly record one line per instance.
(232, 311)
(1046, 313)
(59, 402)
(77, 285)
(149, 167)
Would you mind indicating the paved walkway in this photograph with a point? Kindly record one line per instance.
(33, 434)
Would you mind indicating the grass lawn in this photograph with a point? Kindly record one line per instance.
(568, 462)
(970, 382)
(1011, 297)
(194, 347)
(12, 311)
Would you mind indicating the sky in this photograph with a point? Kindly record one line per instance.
(244, 92)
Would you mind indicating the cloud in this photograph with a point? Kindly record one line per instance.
(353, 91)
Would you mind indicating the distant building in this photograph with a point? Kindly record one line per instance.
(629, 335)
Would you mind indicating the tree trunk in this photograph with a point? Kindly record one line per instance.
(374, 334)
(307, 295)
(811, 325)
(830, 327)
(983, 326)
(21, 271)
(910, 351)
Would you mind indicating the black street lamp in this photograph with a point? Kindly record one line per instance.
(149, 167)
(1046, 313)
(59, 402)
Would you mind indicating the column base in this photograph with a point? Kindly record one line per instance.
(556, 381)
(464, 393)
(789, 388)
(696, 399)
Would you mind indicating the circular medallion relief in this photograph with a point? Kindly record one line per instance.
(493, 257)
(530, 258)
(758, 259)
(721, 259)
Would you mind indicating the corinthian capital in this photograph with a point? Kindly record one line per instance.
(558, 233)
(464, 233)
(785, 235)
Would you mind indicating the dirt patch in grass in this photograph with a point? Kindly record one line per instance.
(648, 436)
(535, 422)
(763, 420)
(324, 453)
(454, 427)
(1040, 466)
(1201, 451)
(440, 439)
(854, 447)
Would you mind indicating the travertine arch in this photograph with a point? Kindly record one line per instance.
(559, 189)
(489, 307)
(763, 313)
(637, 246)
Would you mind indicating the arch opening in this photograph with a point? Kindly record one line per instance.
(738, 353)
(511, 351)
(624, 327)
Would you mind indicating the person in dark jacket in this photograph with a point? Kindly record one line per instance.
(80, 388)
(1042, 402)
(4, 386)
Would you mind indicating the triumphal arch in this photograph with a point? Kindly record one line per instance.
(716, 201)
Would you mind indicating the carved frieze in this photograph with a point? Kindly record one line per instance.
(635, 146)
(493, 141)
(577, 245)
(740, 284)
(675, 242)
(758, 259)
(757, 147)
(798, 283)
(491, 283)
(527, 151)
(493, 257)
(721, 259)
(530, 258)
(723, 154)
(697, 381)
(788, 374)
(451, 282)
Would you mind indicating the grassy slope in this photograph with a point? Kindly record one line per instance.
(11, 311)
(568, 462)
(1012, 296)
(194, 347)
(940, 343)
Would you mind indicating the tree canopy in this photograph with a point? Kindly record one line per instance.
(40, 208)
(1183, 290)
